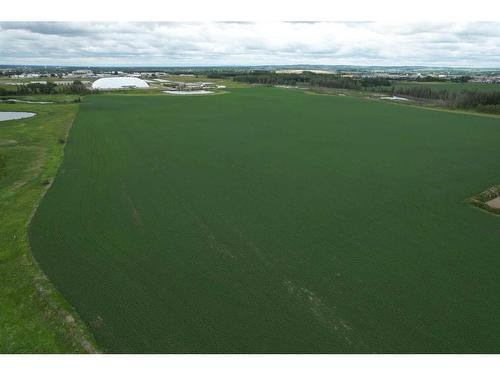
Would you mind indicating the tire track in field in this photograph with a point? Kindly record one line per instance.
(327, 316)
(304, 297)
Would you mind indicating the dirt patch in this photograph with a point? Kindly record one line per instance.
(488, 200)
(494, 203)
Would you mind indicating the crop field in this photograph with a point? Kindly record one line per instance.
(265, 220)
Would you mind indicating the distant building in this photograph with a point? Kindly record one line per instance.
(68, 83)
(82, 72)
(26, 75)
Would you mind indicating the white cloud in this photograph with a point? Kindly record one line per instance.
(232, 43)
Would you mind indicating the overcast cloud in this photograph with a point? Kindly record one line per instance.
(233, 43)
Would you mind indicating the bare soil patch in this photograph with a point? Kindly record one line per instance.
(488, 200)
(494, 203)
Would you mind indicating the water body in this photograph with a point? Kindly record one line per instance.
(392, 98)
(6, 116)
(23, 101)
(193, 92)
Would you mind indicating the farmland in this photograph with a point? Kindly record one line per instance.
(266, 220)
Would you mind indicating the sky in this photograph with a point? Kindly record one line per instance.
(475, 44)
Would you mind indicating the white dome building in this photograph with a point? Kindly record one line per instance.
(110, 83)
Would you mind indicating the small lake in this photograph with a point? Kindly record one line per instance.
(192, 92)
(6, 116)
(392, 98)
(22, 101)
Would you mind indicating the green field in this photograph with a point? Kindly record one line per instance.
(267, 220)
(34, 318)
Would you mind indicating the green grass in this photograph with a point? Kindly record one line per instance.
(267, 220)
(34, 318)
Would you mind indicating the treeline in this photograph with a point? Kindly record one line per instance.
(49, 88)
(305, 79)
(482, 101)
(422, 92)
(224, 74)
(479, 101)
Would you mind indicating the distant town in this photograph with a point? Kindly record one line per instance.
(455, 88)
(22, 75)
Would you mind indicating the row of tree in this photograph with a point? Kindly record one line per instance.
(49, 88)
(303, 79)
(421, 92)
(483, 101)
(479, 101)
(461, 79)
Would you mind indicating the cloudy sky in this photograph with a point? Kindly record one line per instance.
(236, 43)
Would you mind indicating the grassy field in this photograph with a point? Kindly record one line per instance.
(267, 220)
(34, 318)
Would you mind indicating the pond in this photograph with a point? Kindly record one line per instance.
(392, 98)
(22, 101)
(6, 116)
(191, 92)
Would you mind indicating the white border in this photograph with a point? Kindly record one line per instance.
(255, 10)
(245, 10)
(250, 364)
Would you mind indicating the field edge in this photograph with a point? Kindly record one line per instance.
(50, 307)
(59, 313)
